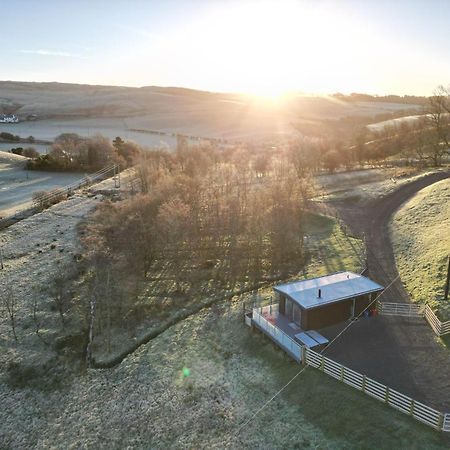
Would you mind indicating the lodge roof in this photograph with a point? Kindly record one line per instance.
(333, 288)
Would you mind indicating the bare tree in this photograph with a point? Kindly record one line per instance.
(59, 295)
(439, 111)
(9, 301)
(37, 320)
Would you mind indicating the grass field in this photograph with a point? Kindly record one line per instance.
(421, 241)
(359, 186)
(148, 401)
(18, 185)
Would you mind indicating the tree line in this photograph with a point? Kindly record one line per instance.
(71, 152)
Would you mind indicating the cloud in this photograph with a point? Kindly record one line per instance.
(57, 53)
(138, 31)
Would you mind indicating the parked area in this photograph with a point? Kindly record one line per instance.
(361, 364)
(405, 362)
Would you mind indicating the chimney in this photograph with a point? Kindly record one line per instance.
(319, 293)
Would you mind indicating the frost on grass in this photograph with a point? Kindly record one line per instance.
(422, 244)
(363, 185)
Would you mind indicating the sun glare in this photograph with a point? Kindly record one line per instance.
(269, 48)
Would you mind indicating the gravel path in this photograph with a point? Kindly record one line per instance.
(401, 352)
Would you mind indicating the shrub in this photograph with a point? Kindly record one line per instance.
(30, 152)
(17, 151)
(45, 199)
(9, 137)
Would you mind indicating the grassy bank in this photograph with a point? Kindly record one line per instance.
(360, 186)
(328, 250)
(421, 244)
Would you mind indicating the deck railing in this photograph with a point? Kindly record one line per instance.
(279, 336)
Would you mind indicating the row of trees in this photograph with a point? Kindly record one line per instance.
(349, 143)
(71, 152)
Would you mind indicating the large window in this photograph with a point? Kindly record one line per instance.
(293, 312)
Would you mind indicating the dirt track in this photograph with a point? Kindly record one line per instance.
(371, 222)
(400, 352)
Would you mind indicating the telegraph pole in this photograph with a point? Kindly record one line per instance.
(448, 280)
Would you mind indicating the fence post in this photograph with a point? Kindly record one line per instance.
(386, 397)
(441, 421)
(411, 409)
(303, 354)
(342, 373)
(364, 384)
(322, 363)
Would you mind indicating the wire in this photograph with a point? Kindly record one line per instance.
(306, 366)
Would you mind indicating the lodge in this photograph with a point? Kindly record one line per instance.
(324, 301)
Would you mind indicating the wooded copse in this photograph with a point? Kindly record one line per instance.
(206, 221)
(71, 152)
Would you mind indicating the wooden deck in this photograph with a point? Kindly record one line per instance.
(271, 314)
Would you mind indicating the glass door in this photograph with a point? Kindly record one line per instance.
(297, 315)
(288, 310)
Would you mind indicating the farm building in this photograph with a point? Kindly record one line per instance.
(320, 302)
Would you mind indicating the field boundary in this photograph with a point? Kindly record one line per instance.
(417, 410)
(399, 309)
(302, 354)
(440, 328)
(57, 194)
(412, 310)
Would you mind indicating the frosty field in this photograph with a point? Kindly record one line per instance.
(17, 185)
(147, 401)
(421, 243)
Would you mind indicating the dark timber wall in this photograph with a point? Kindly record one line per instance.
(331, 314)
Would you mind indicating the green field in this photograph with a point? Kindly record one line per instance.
(421, 241)
(151, 401)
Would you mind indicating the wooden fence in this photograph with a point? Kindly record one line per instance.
(56, 194)
(440, 328)
(400, 309)
(446, 425)
(397, 400)
(412, 310)
(379, 391)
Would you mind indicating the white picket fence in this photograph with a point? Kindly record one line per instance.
(397, 400)
(379, 391)
(412, 310)
(279, 336)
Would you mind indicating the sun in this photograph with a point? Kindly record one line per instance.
(268, 48)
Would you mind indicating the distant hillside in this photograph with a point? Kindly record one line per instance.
(186, 111)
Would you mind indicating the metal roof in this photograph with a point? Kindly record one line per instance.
(333, 288)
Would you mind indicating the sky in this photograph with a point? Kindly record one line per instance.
(258, 47)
